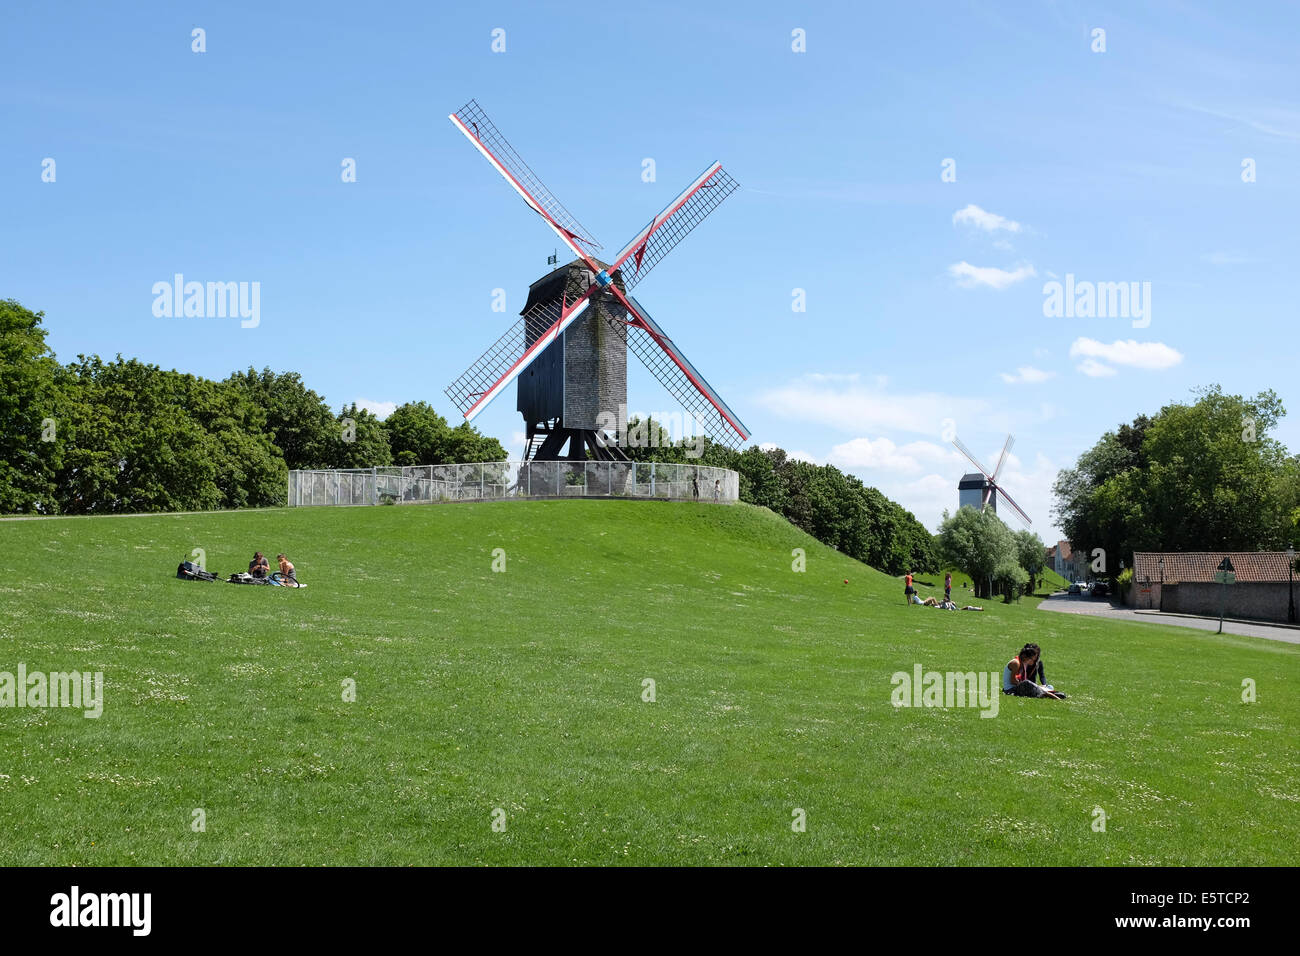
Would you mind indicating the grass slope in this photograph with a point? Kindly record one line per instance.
(523, 690)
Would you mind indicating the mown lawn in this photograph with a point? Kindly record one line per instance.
(522, 691)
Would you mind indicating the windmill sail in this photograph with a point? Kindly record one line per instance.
(973, 460)
(509, 355)
(992, 490)
(1015, 507)
(543, 324)
(487, 139)
(673, 224)
(674, 370)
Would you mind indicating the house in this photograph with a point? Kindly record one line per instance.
(1068, 563)
(1184, 583)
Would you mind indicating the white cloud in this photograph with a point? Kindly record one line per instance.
(380, 410)
(883, 454)
(1026, 375)
(973, 215)
(1130, 352)
(792, 455)
(969, 276)
(1094, 369)
(855, 407)
(928, 493)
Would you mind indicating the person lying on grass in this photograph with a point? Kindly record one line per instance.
(930, 602)
(1024, 675)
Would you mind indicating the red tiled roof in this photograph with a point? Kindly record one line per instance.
(1064, 547)
(1249, 566)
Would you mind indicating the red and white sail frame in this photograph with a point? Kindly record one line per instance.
(663, 232)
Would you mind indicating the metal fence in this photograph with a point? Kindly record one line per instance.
(422, 484)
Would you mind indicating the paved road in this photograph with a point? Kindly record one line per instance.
(1078, 604)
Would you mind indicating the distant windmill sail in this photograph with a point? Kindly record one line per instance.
(992, 491)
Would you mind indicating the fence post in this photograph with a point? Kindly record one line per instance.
(652, 479)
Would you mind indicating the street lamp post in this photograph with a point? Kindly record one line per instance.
(1290, 588)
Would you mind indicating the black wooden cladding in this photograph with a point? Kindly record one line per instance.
(582, 375)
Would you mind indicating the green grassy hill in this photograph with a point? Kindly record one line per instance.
(523, 691)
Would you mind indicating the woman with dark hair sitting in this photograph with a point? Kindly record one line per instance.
(1024, 675)
(259, 567)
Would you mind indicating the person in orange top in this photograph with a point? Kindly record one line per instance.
(286, 568)
(908, 590)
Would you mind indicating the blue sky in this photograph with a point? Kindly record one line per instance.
(924, 298)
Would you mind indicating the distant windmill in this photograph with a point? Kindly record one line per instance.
(568, 351)
(981, 489)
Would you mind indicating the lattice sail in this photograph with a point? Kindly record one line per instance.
(509, 355)
(973, 460)
(1002, 493)
(674, 370)
(1003, 457)
(648, 248)
(475, 124)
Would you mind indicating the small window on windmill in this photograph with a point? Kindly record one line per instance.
(553, 258)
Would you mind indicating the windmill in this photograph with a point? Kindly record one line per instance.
(983, 487)
(568, 350)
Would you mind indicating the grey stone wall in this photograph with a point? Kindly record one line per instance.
(595, 364)
(1261, 601)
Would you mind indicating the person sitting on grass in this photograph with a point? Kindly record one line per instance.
(1024, 675)
(259, 567)
(287, 572)
(947, 605)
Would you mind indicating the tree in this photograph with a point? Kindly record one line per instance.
(417, 434)
(28, 426)
(977, 542)
(136, 438)
(1209, 481)
(299, 421)
(1009, 578)
(759, 479)
(1200, 476)
(360, 440)
(1031, 554)
(467, 444)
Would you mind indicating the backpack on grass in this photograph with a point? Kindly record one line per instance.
(188, 571)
